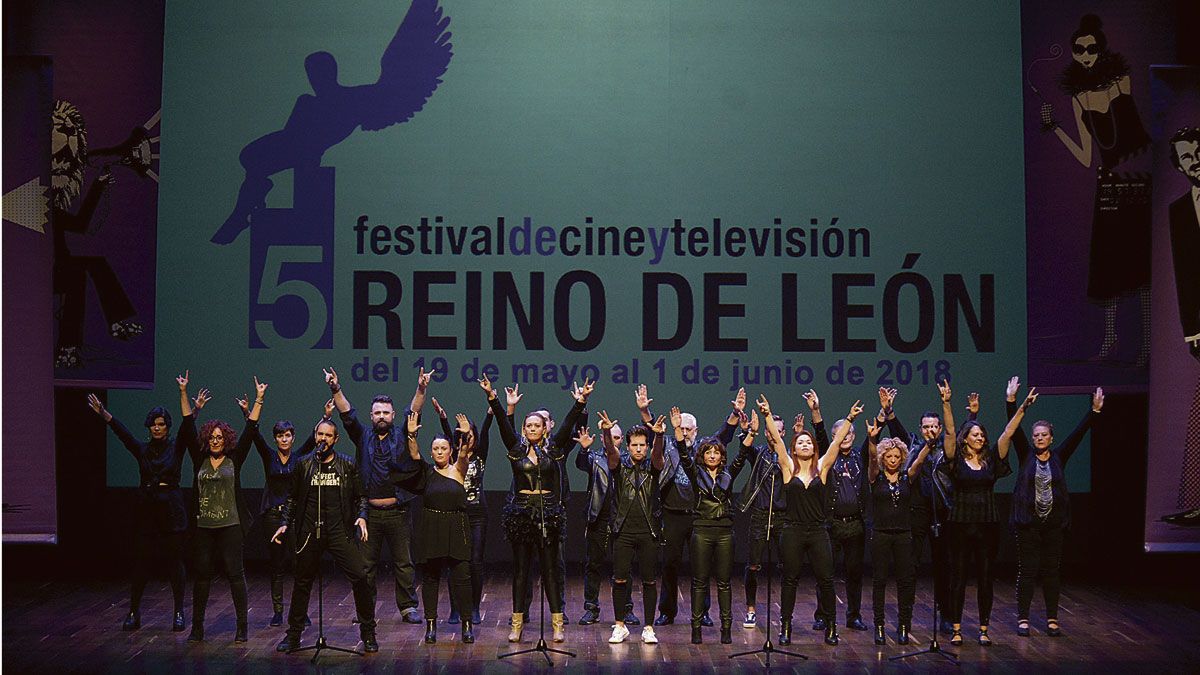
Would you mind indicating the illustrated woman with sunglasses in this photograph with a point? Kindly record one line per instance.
(1106, 116)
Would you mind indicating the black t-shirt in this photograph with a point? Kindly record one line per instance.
(325, 491)
(891, 502)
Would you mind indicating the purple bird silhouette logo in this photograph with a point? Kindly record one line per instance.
(410, 71)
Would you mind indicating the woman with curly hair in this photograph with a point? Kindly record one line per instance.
(161, 515)
(533, 519)
(222, 517)
(891, 538)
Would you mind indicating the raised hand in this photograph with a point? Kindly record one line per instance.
(513, 395)
(642, 397)
(244, 403)
(1010, 391)
(604, 422)
(202, 398)
(676, 416)
(1029, 398)
(183, 380)
(412, 424)
(891, 398)
(659, 425)
(754, 421)
(98, 407)
(464, 425)
(331, 377)
(260, 387)
(873, 428)
(437, 408)
(973, 403)
(739, 401)
(798, 423)
(944, 390)
(885, 400)
(1098, 400)
(764, 406)
(585, 438)
(329, 409)
(814, 403)
(855, 411)
(423, 378)
(743, 420)
(486, 385)
(581, 393)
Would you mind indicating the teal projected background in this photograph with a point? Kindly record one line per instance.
(864, 161)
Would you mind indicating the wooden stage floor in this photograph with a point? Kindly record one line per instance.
(68, 627)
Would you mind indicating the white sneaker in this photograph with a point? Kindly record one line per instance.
(620, 632)
(751, 620)
(648, 635)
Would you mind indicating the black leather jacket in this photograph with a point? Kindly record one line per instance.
(626, 491)
(353, 499)
(713, 498)
(595, 463)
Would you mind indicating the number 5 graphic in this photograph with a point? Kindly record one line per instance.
(277, 319)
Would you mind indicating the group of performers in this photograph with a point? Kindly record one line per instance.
(653, 489)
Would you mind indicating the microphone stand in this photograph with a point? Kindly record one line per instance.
(935, 529)
(768, 648)
(541, 647)
(321, 644)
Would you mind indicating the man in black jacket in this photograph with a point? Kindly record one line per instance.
(327, 508)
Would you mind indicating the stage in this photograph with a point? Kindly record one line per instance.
(70, 627)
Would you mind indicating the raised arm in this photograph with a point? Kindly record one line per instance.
(610, 449)
(564, 437)
(838, 436)
(339, 398)
(746, 448)
(914, 467)
(418, 399)
(1006, 438)
(484, 442)
(185, 403)
(1072, 443)
(775, 441)
(641, 398)
(1010, 408)
(873, 428)
(466, 445)
(657, 457)
(411, 426)
(509, 437)
(585, 439)
(947, 419)
(814, 408)
(442, 418)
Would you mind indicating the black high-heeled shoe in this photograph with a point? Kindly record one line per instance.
(785, 631)
(430, 631)
(240, 634)
(956, 637)
(178, 623)
(697, 637)
(727, 630)
(133, 621)
(880, 638)
(984, 640)
(468, 635)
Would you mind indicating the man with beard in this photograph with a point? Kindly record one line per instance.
(71, 272)
(328, 509)
(1184, 215)
(377, 447)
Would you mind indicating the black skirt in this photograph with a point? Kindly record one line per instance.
(525, 514)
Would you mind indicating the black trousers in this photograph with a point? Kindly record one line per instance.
(712, 556)
(1039, 558)
(477, 518)
(796, 542)
(392, 527)
(459, 574)
(645, 547)
(349, 559)
(561, 570)
(676, 533)
(758, 550)
(939, 552)
(224, 543)
(165, 549)
(547, 554)
(891, 553)
(849, 542)
(280, 554)
(979, 542)
(596, 539)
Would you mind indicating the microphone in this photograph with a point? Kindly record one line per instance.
(323, 449)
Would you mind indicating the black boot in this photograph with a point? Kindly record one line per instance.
(430, 631)
(697, 638)
(178, 624)
(277, 618)
(726, 630)
(370, 644)
(902, 634)
(290, 643)
(197, 634)
(831, 634)
(240, 635)
(468, 635)
(133, 620)
(880, 638)
(785, 631)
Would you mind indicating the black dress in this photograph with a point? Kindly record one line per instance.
(443, 531)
